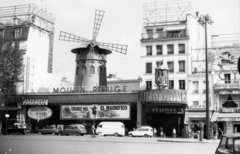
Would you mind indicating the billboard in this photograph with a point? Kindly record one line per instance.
(95, 111)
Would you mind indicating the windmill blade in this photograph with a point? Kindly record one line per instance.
(114, 47)
(97, 22)
(64, 36)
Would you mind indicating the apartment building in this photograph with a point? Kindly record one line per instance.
(178, 42)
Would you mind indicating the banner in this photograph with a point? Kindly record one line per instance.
(95, 111)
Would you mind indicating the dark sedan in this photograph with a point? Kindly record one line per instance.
(229, 144)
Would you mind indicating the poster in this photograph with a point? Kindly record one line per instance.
(95, 111)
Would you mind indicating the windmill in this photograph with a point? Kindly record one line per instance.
(91, 56)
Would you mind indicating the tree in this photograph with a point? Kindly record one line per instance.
(11, 67)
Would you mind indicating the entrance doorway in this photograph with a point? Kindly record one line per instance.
(220, 128)
(167, 122)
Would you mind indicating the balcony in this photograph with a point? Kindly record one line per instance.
(165, 35)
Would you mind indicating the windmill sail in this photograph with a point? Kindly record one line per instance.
(114, 47)
(64, 36)
(97, 22)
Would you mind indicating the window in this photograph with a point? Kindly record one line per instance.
(195, 103)
(171, 84)
(92, 69)
(170, 66)
(182, 84)
(18, 33)
(148, 84)
(229, 145)
(77, 70)
(209, 103)
(159, 50)
(181, 66)
(84, 69)
(237, 145)
(223, 143)
(195, 87)
(148, 67)
(227, 78)
(181, 48)
(1, 33)
(150, 33)
(100, 70)
(149, 50)
(170, 49)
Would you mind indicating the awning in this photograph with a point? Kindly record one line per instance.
(228, 117)
(175, 28)
(214, 116)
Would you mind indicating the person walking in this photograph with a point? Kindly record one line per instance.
(93, 130)
(161, 132)
(174, 132)
(154, 132)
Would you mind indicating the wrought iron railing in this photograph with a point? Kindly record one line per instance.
(165, 35)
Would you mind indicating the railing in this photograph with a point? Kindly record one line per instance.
(164, 35)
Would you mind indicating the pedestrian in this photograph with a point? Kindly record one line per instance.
(154, 132)
(93, 130)
(174, 132)
(161, 132)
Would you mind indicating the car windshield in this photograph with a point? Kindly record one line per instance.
(237, 145)
(139, 129)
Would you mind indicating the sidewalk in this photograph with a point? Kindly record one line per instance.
(187, 140)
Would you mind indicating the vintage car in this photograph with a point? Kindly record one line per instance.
(49, 130)
(229, 144)
(145, 131)
(73, 129)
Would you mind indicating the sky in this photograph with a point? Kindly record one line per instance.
(122, 24)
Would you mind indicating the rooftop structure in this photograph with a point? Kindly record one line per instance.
(165, 12)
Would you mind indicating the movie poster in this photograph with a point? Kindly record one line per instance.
(95, 111)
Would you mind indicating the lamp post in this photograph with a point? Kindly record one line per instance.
(204, 20)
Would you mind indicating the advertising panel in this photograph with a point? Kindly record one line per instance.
(95, 111)
(39, 112)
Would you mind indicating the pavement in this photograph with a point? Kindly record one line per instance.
(187, 140)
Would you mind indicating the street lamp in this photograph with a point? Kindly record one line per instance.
(204, 20)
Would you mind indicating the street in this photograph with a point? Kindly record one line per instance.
(54, 144)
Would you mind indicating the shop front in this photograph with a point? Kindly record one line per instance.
(164, 108)
(196, 114)
(227, 118)
(86, 109)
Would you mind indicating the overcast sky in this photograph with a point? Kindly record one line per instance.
(122, 24)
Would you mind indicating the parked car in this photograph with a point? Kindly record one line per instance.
(111, 128)
(145, 131)
(49, 130)
(73, 129)
(229, 144)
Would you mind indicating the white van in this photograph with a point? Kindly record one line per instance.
(111, 128)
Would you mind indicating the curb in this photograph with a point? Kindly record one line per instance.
(181, 141)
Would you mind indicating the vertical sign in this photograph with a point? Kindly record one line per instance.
(27, 73)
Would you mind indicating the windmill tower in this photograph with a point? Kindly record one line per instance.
(91, 56)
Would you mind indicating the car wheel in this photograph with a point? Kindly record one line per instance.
(146, 135)
(61, 133)
(77, 134)
(39, 133)
(130, 135)
(116, 134)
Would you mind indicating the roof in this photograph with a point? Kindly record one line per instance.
(235, 135)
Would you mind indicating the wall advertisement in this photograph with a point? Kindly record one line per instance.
(95, 111)
(39, 112)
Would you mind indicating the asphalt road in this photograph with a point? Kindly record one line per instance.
(54, 144)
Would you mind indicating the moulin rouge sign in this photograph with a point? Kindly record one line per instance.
(94, 90)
